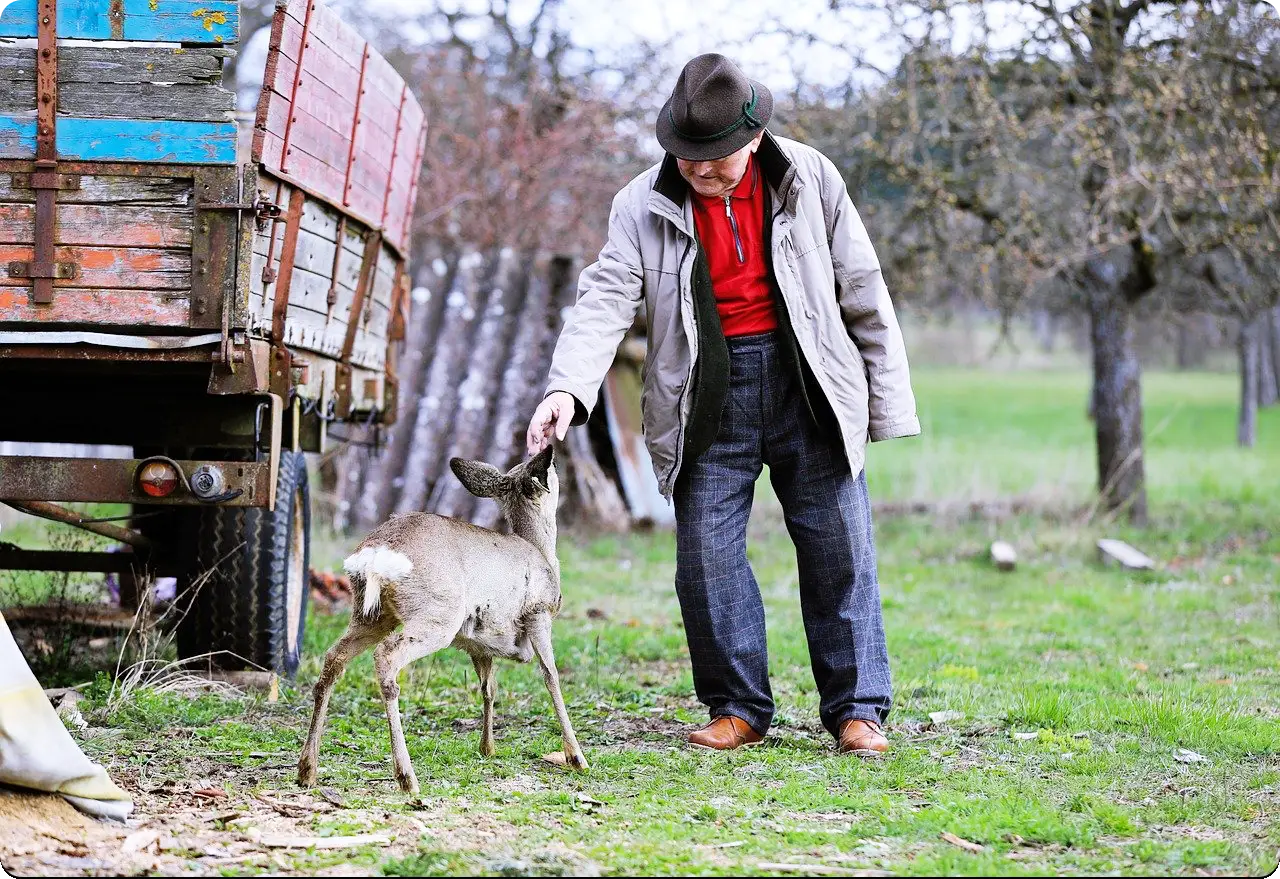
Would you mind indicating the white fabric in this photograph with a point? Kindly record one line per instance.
(36, 751)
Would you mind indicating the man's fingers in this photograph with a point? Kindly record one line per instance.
(564, 418)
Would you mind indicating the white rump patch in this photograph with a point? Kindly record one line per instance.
(381, 561)
(377, 565)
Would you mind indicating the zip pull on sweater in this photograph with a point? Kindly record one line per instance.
(734, 248)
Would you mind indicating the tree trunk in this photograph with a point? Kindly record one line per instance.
(1273, 318)
(1268, 388)
(1117, 395)
(1247, 426)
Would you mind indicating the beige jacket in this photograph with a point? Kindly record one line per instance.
(828, 276)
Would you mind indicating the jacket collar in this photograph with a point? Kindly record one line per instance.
(671, 192)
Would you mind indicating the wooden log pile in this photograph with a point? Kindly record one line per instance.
(481, 332)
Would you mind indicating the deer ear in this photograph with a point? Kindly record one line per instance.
(482, 480)
(538, 467)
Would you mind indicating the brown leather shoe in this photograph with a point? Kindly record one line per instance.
(863, 738)
(724, 734)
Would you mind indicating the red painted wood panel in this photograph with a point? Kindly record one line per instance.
(119, 225)
(77, 305)
(346, 127)
(110, 267)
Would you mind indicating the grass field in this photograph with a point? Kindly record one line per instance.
(1106, 722)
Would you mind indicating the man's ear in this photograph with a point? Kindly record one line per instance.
(755, 144)
(479, 478)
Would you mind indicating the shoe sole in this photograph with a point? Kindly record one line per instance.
(695, 746)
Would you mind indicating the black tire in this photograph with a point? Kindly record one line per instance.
(247, 587)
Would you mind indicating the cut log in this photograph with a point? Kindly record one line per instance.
(1117, 551)
(1004, 555)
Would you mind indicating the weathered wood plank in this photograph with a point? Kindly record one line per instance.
(114, 308)
(135, 64)
(210, 22)
(125, 140)
(103, 225)
(110, 267)
(159, 192)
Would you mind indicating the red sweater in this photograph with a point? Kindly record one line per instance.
(731, 230)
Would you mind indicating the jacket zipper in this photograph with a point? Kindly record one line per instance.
(733, 224)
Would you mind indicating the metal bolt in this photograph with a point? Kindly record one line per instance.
(44, 20)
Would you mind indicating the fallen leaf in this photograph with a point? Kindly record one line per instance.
(1182, 755)
(942, 717)
(961, 843)
(325, 841)
(210, 793)
(1226, 682)
(555, 758)
(1140, 666)
(1026, 736)
(139, 840)
(595, 613)
(333, 796)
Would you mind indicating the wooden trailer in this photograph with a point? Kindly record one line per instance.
(215, 295)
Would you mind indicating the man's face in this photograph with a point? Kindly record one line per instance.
(719, 176)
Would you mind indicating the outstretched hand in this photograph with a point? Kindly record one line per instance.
(555, 413)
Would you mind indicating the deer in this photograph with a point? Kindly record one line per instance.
(422, 582)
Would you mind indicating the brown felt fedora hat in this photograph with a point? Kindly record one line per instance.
(713, 111)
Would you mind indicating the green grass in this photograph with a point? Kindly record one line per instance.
(1112, 672)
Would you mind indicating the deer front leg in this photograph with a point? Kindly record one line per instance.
(488, 689)
(389, 658)
(540, 635)
(356, 640)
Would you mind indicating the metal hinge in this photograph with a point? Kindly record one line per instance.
(264, 210)
(45, 180)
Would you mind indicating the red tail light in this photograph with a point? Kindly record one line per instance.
(158, 479)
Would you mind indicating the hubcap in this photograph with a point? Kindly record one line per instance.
(297, 576)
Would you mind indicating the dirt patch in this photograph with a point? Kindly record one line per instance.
(200, 832)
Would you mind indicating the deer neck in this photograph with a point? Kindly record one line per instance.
(538, 531)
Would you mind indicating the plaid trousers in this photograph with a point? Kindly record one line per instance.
(828, 516)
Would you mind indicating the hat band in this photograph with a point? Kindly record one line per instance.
(747, 118)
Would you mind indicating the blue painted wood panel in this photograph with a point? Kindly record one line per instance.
(212, 22)
(125, 140)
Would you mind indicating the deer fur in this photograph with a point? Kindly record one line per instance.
(442, 581)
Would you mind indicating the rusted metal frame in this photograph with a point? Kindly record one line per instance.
(105, 169)
(102, 353)
(42, 270)
(355, 127)
(63, 560)
(395, 333)
(395, 146)
(293, 92)
(268, 79)
(368, 265)
(268, 271)
(46, 510)
(331, 299)
(281, 381)
(114, 480)
(371, 222)
(213, 253)
(406, 226)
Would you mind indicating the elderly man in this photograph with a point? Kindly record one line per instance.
(772, 340)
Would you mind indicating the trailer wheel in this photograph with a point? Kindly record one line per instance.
(248, 579)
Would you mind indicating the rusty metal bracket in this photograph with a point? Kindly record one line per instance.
(42, 269)
(264, 210)
(45, 180)
(368, 263)
(332, 298)
(63, 271)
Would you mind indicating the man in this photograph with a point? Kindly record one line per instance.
(772, 340)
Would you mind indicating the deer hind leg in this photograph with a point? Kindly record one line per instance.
(488, 690)
(359, 637)
(540, 634)
(389, 658)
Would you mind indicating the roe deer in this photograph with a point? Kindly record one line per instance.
(450, 582)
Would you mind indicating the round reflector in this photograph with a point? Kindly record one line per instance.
(158, 479)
